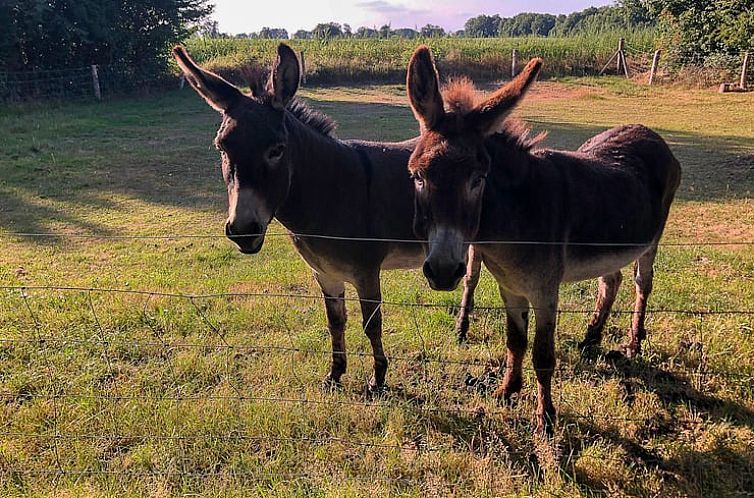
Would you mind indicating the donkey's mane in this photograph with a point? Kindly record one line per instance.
(517, 134)
(316, 120)
(461, 97)
(256, 76)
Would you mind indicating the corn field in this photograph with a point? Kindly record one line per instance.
(350, 60)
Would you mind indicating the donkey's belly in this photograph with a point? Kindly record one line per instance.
(581, 265)
(404, 257)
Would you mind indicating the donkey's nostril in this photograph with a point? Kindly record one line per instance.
(460, 271)
(427, 269)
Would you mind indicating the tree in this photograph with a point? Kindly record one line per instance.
(273, 33)
(385, 31)
(136, 34)
(363, 32)
(209, 29)
(302, 34)
(327, 30)
(482, 26)
(405, 33)
(347, 30)
(697, 29)
(432, 31)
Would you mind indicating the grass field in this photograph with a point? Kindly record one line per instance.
(359, 60)
(138, 394)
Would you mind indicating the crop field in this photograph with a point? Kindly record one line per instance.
(193, 369)
(340, 60)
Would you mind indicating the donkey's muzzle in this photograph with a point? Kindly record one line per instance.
(443, 277)
(249, 240)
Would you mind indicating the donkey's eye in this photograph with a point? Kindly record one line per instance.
(477, 181)
(418, 181)
(275, 153)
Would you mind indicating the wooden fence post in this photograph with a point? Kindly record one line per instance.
(620, 56)
(303, 69)
(514, 63)
(95, 83)
(181, 82)
(744, 71)
(655, 62)
(621, 44)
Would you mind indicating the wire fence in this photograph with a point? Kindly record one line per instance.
(57, 395)
(82, 83)
(97, 81)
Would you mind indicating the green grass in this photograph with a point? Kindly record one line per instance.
(677, 422)
(364, 60)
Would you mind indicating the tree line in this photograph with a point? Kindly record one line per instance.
(52, 34)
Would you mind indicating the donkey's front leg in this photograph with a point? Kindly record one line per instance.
(334, 292)
(370, 296)
(470, 281)
(543, 356)
(517, 313)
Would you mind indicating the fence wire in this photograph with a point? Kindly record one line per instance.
(56, 395)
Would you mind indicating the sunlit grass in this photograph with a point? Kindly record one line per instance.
(194, 415)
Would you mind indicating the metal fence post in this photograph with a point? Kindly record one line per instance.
(95, 83)
(655, 62)
(303, 69)
(744, 71)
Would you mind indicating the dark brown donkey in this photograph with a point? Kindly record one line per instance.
(567, 215)
(280, 159)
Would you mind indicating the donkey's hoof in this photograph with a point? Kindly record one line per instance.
(330, 384)
(615, 355)
(546, 424)
(629, 350)
(374, 389)
(505, 394)
(589, 342)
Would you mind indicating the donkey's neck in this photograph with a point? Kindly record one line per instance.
(511, 164)
(321, 166)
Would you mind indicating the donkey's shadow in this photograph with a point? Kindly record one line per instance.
(674, 388)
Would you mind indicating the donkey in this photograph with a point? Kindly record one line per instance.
(281, 159)
(566, 216)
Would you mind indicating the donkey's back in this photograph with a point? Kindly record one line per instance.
(636, 147)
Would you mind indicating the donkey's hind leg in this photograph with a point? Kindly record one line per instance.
(470, 281)
(643, 276)
(370, 296)
(334, 292)
(607, 289)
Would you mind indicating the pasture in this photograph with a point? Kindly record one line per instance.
(202, 373)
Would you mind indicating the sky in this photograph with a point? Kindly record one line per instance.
(245, 16)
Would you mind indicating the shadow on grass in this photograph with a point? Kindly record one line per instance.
(720, 470)
(59, 163)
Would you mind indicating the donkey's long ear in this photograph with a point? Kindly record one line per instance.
(423, 86)
(216, 91)
(284, 77)
(488, 116)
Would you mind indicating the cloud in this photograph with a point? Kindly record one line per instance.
(387, 8)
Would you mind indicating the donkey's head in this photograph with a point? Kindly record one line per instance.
(252, 141)
(450, 162)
